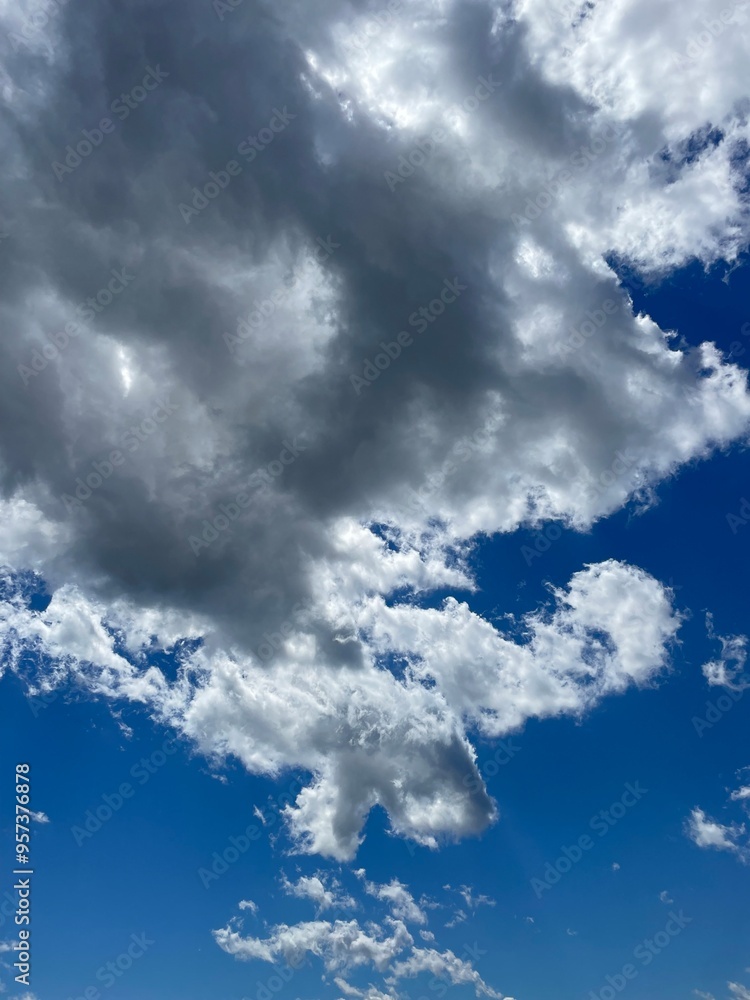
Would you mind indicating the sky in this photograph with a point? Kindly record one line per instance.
(375, 512)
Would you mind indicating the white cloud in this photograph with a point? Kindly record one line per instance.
(324, 891)
(402, 903)
(708, 833)
(341, 945)
(384, 947)
(248, 904)
(473, 901)
(371, 993)
(664, 897)
(444, 964)
(737, 991)
(610, 57)
(347, 988)
(728, 670)
(365, 735)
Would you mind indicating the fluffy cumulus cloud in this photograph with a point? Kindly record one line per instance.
(347, 950)
(445, 965)
(366, 734)
(706, 832)
(710, 833)
(402, 903)
(320, 889)
(341, 944)
(303, 303)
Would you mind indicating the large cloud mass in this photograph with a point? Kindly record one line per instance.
(302, 298)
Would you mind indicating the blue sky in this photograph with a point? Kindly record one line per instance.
(367, 641)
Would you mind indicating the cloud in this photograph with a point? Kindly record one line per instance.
(39, 817)
(737, 992)
(708, 833)
(473, 901)
(445, 965)
(341, 945)
(400, 900)
(322, 890)
(728, 670)
(198, 457)
(398, 741)
(346, 988)
(371, 993)
(248, 904)
(664, 897)
(385, 947)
